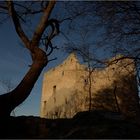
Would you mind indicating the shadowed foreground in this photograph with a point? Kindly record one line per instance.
(96, 124)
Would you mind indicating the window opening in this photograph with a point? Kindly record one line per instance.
(54, 89)
(62, 73)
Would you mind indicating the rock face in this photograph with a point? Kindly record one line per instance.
(66, 89)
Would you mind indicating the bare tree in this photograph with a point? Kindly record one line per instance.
(38, 40)
(114, 19)
(121, 21)
(85, 49)
(117, 24)
(39, 57)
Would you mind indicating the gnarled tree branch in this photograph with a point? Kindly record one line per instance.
(42, 24)
(17, 24)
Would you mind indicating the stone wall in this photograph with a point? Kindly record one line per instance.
(66, 88)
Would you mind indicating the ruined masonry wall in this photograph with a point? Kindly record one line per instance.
(70, 77)
(63, 77)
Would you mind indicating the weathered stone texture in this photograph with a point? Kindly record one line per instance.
(70, 79)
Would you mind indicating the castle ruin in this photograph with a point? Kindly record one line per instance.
(66, 89)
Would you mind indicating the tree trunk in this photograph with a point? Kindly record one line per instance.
(12, 99)
(116, 101)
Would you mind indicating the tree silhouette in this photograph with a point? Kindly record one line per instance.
(118, 23)
(84, 50)
(119, 33)
(39, 57)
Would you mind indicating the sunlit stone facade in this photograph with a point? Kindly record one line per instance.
(66, 88)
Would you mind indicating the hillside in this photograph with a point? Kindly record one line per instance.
(95, 124)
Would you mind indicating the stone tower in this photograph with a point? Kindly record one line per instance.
(59, 81)
(65, 88)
